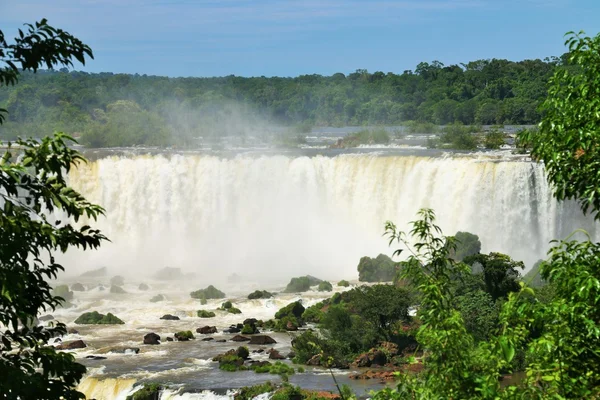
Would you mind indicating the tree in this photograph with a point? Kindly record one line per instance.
(500, 273)
(33, 192)
(378, 269)
(569, 135)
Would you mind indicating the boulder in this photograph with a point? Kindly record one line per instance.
(240, 338)
(157, 298)
(262, 340)
(117, 290)
(220, 341)
(169, 339)
(95, 358)
(117, 280)
(207, 330)
(95, 318)
(184, 336)
(208, 339)
(76, 344)
(373, 357)
(275, 355)
(73, 331)
(170, 317)
(233, 329)
(291, 326)
(77, 287)
(290, 355)
(143, 287)
(250, 321)
(259, 363)
(151, 338)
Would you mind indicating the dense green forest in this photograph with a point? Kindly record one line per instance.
(121, 110)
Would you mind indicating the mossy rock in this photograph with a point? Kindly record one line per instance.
(233, 310)
(325, 287)
(206, 314)
(117, 290)
(183, 336)
(157, 298)
(77, 287)
(117, 280)
(63, 291)
(260, 294)
(343, 283)
(295, 309)
(210, 292)
(95, 318)
(299, 284)
(248, 329)
(150, 391)
(226, 305)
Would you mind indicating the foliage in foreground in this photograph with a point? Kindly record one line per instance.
(33, 190)
(559, 337)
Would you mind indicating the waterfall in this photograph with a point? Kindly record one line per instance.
(279, 216)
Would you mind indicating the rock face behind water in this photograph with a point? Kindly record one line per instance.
(95, 273)
(262, 340)
(76, 344)
(151, 338)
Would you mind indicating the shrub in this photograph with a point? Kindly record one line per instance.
(210, 292)
(226, 305)
(248, 329)
(251, 392)
(242, 352)
(314, 313)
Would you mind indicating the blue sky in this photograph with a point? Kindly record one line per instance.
(289, 38)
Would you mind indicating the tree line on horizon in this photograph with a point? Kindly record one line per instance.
(121, 109)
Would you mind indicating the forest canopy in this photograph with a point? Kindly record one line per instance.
(179, 110)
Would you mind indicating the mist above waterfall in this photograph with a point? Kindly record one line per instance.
(273, 217)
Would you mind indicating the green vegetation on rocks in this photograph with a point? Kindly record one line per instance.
(251, 392)
(210, 292)
(294, 309)
(379, 269)
(325, 287)
(343, 283)
(150, 391)
(206, 314)
(260, 294)
(227, 306)
(183, 336)
(95, 318)
(467, 244)
(63, 291)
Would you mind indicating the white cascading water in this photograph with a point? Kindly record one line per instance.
(279, 216)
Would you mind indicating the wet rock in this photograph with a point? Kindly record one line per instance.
(143, 287)
(314, 360)
(46, 318)
(250, 321)
(275, 355)
(170, 317)
(372, 358)
(207, 330)
(184, 336)
(220, 341)
(76, 344)
(208, 339)
(152, 338)
(233, 329)
(122, 350)
(262, 340)
(95, 358)
(291, 355)
(291, 326)
(239, 338)
(117, 280)
(169, 339)
(77, 287)
(73, 331)
(379, 375)
(258, 351)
